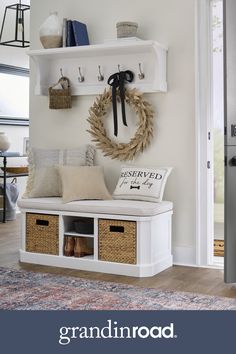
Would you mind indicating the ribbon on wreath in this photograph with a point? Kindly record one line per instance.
(117, 81)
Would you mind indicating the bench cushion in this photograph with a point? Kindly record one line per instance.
(113, 207)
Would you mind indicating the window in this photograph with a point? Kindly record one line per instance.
(14, 95)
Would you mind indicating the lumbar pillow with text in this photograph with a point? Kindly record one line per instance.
(83, 182)
(138, 183)
(43, 180)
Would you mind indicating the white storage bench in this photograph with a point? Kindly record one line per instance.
(126, 237)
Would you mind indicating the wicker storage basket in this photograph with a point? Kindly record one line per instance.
(219, 248)
(42, 233)
(59, 99)
(117, 241)
(126, 29)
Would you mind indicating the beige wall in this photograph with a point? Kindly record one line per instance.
(170, 22)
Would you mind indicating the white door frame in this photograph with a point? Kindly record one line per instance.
(204, 148)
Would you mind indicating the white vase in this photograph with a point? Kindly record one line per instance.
(50, 32)
(4, 142)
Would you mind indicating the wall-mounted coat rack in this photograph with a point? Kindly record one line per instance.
(89, 67)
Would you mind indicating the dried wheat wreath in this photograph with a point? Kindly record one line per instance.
(143, 134)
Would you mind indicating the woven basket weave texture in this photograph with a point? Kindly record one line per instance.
(42, 233)
(59, 99)
(219, 248)
(126, 29)
(117, 246)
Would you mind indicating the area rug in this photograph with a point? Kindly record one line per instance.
(24, 290)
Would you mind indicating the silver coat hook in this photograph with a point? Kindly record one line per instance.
(100, 76)
(61, 72)
(141, 74)
(81, 77)
(118, 67)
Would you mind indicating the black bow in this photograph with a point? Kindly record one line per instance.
(118, 80)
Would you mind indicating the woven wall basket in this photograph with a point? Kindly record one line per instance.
(59, 98)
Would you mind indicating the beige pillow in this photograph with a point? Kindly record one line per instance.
(43, 179)
(83, 182)
(46, 183)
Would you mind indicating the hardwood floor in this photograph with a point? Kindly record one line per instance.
(179, 278)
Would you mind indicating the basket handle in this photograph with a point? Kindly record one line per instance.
(114, 228)
(42, 222)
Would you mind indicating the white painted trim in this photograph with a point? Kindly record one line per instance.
(203, 116)
(218, 262)
(93, 265)
(185, 256)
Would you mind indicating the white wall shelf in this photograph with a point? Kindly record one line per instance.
(128, 54)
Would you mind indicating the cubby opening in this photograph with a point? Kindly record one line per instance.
(78, 237)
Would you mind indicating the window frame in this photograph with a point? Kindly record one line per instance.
(17, 71)
(203, 122)
(204, 146)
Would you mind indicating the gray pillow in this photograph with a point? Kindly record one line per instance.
(43, 179)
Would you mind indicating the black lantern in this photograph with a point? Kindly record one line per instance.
(16, 11)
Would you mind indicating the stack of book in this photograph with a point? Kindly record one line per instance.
(74, 33)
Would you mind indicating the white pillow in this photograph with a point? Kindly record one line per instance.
(137, 183)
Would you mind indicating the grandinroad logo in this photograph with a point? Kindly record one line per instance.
(112, 330)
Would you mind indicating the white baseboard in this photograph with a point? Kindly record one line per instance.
(185, 256)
